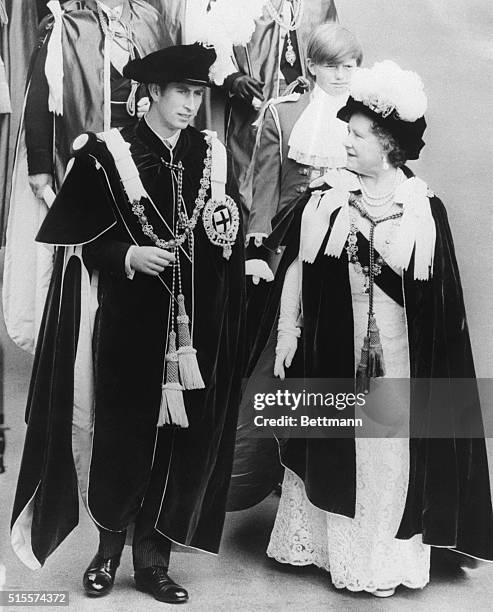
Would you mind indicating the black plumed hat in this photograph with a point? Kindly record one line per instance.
(178, 64)
(409, 134)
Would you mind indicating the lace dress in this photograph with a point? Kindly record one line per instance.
(361, 554)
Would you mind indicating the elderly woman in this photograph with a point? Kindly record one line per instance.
(373, 291)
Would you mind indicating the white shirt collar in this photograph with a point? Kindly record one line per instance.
(169, 142)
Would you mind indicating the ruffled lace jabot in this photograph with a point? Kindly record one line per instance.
(318, 135)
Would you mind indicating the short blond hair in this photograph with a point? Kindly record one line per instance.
(331, 43)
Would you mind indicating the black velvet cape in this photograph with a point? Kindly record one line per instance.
(83, 90)
(448, 499)
(188, 468)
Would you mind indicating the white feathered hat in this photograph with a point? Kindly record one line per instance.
(395, 98)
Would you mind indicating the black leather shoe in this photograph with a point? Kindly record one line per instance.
(155, 580)
(100, 575)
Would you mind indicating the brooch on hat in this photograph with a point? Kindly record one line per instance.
(386, 88)
(221, 223)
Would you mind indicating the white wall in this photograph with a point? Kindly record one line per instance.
(449, 43)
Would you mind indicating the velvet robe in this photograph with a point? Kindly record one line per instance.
(449, 499)
(83, 110)
(189, 468)
(83, 53)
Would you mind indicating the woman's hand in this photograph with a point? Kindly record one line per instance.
(150, 260)
(285, 351)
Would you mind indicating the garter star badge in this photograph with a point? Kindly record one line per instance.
(221, 222)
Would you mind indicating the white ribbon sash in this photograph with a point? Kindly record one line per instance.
(54, 61)
(416, 232)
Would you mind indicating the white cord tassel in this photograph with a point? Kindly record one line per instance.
(172, 411)
(190, 375)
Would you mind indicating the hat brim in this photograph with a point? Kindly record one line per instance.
(176, 64)
(408, 134)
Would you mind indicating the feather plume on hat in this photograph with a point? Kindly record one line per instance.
(386, 88)
(395, 98)
(226, 24)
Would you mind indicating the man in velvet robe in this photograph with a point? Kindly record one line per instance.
(75, 84)
(84, 26)
(100, 433)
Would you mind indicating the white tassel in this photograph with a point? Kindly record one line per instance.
(189, 371)
(190, 375)
(172, 410)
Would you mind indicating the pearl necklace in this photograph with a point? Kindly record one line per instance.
(378, 200)
(376, 211)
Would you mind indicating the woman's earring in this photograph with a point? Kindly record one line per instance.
(385, 163)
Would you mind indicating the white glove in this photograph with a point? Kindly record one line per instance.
(288, 329)
(287, 343)
(258, 269)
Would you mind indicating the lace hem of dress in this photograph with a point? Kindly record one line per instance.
(418, 583)
(361, 554)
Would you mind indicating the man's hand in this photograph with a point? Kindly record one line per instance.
(150, 260)
(143, 105)
(247, 87)
(39, 182)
